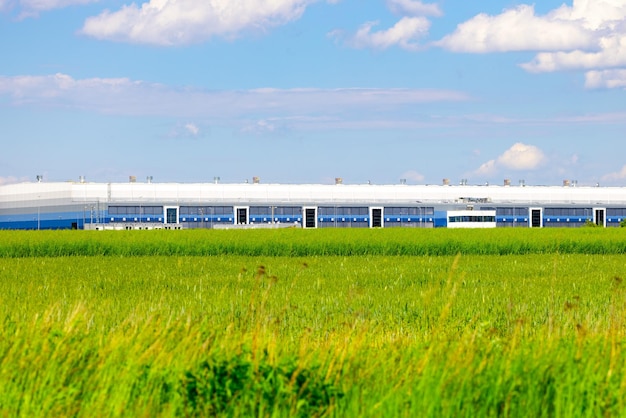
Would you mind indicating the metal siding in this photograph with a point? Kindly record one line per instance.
(71, 199)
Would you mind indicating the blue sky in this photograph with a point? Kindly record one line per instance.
(303, 91)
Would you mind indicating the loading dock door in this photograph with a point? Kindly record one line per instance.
(377, 218)
(242, 216)
(310, 217)
(171, 215)
(599, 217)
(535, 218)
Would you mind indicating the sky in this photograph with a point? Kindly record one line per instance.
(304, 91)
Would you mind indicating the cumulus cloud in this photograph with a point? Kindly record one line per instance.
(413, 8)
(612, 54)
(588, 35)
(180, 22)
(605, 79)
(518, 29)
(617, 175)
(487, 168)
(405, 33)
(519, 157)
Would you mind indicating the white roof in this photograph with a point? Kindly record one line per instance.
(29, 194)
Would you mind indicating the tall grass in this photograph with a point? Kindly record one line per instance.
(531, 334)
(321, 242)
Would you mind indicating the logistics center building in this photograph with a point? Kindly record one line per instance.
(151, 205)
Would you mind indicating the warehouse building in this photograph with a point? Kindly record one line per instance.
(150, 205)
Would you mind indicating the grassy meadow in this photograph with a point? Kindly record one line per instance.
(372, 323)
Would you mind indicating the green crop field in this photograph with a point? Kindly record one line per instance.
(295, 322)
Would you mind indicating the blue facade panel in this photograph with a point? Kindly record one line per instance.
(57, 220)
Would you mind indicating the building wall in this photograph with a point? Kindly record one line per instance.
(74, 205)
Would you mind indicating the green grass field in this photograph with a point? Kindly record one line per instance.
(313, 323)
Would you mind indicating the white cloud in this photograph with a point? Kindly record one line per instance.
(62, 90)
(405, 33)
(128, 97)
(179, 22)
(43, 5)
(518, 29)
(192, 128)
(519, 157)
(32, 8)
(413, 175)
(12, 179)
(618, 175)
(414, 8)
(487, 168)
(262, 126)
(605, 79)
(612, 54)
(589, 34)
(187, 130)
(593, 14)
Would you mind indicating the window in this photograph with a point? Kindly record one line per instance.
(260, 210)
(567, 212)
(511, 211)
(152, 210)
(206, 210)
(124, 210)
(486, 218)
(409, 211)
(616, 212)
